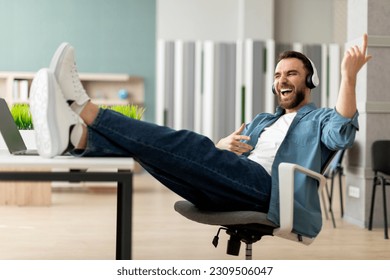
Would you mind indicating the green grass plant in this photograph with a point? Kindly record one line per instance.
(22, 116)
(130, 110)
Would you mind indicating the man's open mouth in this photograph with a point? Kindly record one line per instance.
(284, 91)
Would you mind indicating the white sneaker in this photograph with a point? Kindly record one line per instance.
(63, 66)
(52, 117)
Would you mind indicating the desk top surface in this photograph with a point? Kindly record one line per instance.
(11, 161)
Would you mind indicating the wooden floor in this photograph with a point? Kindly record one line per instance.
(80, 224)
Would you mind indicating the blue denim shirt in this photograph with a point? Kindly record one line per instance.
(312, 137)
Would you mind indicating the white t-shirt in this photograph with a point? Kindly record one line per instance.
(270, 140)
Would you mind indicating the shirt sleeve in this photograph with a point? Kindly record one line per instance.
(338, 131)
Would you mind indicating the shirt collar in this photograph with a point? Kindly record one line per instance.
(305, 109)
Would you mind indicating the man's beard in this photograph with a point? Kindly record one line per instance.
(291, 104)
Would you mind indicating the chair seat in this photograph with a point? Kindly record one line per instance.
(250, 226)
(226, 218)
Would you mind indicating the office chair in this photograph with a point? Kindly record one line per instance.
(250, 226)
(380, 152)
(335, 169)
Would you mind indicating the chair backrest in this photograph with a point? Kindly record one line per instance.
(333, 163)
(380, 152)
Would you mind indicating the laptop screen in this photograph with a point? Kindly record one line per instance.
(9, 130)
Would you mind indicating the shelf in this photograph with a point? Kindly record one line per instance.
(103, 88)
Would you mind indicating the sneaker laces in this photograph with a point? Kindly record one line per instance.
(78, 87)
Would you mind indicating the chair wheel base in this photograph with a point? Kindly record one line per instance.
(240, 234)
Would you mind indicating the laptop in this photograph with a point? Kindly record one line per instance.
(11, 134)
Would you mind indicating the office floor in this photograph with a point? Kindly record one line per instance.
(80, 224)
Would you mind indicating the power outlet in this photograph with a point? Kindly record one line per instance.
(354, 191)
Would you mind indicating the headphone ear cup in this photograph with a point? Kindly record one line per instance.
(313, 80)
(273, 89)
(309, 82)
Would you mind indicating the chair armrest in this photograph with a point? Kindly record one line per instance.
(286, 197)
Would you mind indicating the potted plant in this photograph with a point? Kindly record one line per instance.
(22, 117)
(23, 120)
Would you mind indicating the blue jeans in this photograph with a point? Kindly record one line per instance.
(187, 163)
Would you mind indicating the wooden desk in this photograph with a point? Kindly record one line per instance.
(23, 170)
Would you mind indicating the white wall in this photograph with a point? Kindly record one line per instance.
(258, 19)
(218, 20)
(286, 21)
(304, 21)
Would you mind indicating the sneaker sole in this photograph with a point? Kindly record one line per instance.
(42, 101)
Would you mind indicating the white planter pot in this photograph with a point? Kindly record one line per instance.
(2, 144)
(29, 138)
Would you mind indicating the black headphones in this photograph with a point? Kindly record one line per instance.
(312, 81)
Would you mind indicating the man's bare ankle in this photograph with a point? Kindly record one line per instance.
(89, 113)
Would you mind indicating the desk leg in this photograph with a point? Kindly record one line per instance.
(124, 219)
